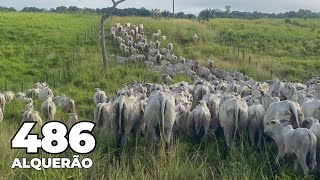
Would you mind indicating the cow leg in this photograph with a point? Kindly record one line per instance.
(260, 134)
(302, 161)
(252, 133)
(153, 138)
(280, 155)
(228, 133)
(167, 137)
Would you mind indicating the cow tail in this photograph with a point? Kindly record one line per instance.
(120, 104)
(73, 106)
(162, 110)
(48, 109)
(293, 110)
(98, 116)
(236, 117)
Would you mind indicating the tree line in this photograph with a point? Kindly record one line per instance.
(205, 15)
(208, 14)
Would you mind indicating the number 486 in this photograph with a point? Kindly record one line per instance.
(56, 138)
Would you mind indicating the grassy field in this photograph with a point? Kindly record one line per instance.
(35, 47)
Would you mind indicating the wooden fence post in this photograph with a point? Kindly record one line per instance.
(271, 73)
(22, 87)
(59, 75)
(249, 60)
(68, 66)
(5, 86)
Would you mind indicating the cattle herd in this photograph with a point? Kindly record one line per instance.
(230, 101)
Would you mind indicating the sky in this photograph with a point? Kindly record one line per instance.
(187, 6)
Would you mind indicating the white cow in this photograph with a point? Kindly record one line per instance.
(233, 117)
(121, 114)
(2, 102)
(311, 108)
(43, 93)
(30, 114)
(300, 142)
(286, 111)
(67, 104)
(9, 95)
(101, 115)
(99, 96)
(160, 112)
(213, 103)
(199, 121)
(72, 119)
(195, 39)
(1, 115)
(48, 108)
(255, 126)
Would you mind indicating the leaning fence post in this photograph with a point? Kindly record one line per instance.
(22, 87)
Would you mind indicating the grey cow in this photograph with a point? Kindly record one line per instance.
(300, 142)
(233, 117)
(160, 112)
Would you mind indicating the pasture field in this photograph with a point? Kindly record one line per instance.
(34, 47)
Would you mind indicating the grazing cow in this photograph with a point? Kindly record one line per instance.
(233, 117)
(213, 103)
(101, 115)
(204, 72)
(160, 112)
(48, 109)
(267, 100)
(30, 114)
(311, 108)
(121, 117)
(32, 93)
(67, 104)
(25, 100)
(72, 119)
(1, 115)
(2, 102)
(199, 121)
(255, 125)
(195, 39)
(286, 111)
(43, 93)
(99, 96)
(300, 142)
(182, 112)
(200, 89)
(8, 95)
(167, 79)
(314, 126)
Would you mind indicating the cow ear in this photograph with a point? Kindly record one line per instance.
(273, 122)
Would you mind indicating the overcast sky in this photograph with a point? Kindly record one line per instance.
(188, 6)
